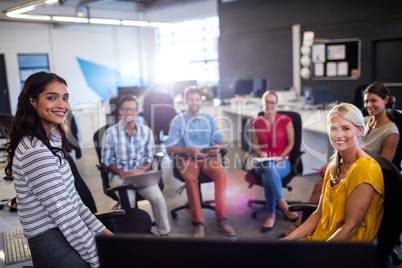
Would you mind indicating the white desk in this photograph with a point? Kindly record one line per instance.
(8, 220)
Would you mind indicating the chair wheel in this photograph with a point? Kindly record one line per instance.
(174, 215)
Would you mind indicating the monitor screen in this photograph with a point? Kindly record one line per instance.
(129, 250)
(180, 86)
(244, 87)
(136, 91)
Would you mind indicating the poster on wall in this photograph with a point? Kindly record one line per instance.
(336, 59)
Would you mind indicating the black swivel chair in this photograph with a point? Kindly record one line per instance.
(396, 117)
(391, 227)
(158, 112)
(97, 139)
(128, 220)
(295, 161)
(202, 178)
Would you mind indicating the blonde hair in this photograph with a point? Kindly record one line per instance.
(266, 93)
(354, 115)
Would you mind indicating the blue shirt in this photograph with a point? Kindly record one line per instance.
(186, 131)
(128, 152)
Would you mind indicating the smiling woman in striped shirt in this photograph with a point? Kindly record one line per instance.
(59, 227)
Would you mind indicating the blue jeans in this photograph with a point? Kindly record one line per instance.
(272, 174)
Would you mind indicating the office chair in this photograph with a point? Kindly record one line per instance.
(295, 161)
(391, 227)
(128, 220)
(158, 112)
(73, 136)
(97, 139)
(396, 117)
(202, 178)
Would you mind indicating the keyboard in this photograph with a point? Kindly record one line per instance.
(16, 246)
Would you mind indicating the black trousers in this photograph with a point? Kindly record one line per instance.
(51, 249)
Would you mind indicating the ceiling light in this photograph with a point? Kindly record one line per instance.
(105, 21)
(20, 10)
(158, 24)
(134, 23)
(29, 17)
(51, 2)
(70, 19)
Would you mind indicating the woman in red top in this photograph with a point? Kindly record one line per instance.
(273, 136)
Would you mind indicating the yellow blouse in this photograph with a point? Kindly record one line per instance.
(365, 170)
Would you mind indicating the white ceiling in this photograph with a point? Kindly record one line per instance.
(118, 9)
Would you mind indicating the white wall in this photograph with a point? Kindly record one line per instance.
(128, 50)
(115, 47)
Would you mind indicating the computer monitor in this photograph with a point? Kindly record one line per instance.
(129, 250)
(244, 87)
(136, 91)
(180, 86)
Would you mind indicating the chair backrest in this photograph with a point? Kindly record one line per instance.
(297, 126)
(97, 139)
(158, 113)
(396, 117)
(81, 186)
(391, 224)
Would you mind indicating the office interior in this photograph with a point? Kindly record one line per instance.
(259, 48)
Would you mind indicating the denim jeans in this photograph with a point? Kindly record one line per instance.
(51, 249)
(271, 174)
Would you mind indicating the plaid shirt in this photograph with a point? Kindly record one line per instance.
(128, 152)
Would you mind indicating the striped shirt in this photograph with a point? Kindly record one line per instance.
(128, 152)
(47, 198)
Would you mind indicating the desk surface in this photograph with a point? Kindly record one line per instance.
(8, 220)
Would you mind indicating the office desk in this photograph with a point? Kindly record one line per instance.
(8, 220)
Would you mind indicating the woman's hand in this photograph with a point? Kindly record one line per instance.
(105, 231)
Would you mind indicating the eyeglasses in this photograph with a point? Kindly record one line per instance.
(126, 109)
(270, 102)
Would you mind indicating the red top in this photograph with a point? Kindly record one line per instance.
(272, 139)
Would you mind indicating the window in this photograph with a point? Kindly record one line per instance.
(32, 63)
(188, 50)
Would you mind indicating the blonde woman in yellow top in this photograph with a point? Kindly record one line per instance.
(351, 203)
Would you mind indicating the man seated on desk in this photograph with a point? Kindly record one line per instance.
(128, 149)
(188, 133)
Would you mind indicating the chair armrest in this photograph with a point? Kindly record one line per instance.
(107, 218)
(296, 162)
(110, 214)
(306, 208)
(246, 158)
(121, 187)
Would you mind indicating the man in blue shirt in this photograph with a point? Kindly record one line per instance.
(189, 133)
(128, 149)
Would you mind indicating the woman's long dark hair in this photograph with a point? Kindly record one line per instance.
(26, 121)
